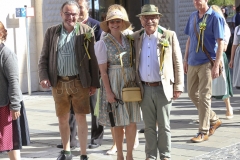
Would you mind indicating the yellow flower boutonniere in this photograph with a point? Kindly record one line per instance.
(87, 38)
(131, 42)
(202, 27)
(130, 37)
(164, 44)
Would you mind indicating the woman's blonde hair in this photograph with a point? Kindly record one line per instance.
(3, 32)
(123, 10)
(219, 11)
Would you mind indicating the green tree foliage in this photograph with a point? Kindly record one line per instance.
(221, 2)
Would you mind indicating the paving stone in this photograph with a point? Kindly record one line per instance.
(223, 145)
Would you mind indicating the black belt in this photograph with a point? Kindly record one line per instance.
(152, 84)
(67, 78)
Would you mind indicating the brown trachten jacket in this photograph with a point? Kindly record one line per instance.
(88, 68)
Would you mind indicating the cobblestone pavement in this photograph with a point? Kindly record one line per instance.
(223, 145)
(226, 153)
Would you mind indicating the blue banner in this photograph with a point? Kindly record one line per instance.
(20, 12)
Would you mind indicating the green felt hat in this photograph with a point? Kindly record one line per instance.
(149, 9)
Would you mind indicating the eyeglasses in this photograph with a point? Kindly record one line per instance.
(115, 21)
(70, 14)
(152, 18)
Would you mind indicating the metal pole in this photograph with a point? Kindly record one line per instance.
(28, 54)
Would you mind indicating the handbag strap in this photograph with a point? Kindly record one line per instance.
(120, 55)
(204, 48)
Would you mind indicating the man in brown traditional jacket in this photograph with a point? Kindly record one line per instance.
(68, 64)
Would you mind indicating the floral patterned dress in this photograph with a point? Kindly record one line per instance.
(129, 111)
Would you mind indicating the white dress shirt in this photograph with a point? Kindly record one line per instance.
(227, 34)
(149, 64)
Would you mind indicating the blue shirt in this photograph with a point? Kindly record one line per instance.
(214, 30)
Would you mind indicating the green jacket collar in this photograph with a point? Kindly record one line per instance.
(159, 31)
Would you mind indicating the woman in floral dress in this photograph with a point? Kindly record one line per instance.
(114, 55)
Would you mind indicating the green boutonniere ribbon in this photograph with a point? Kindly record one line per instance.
(164, 43)
(202, 27)
(131, 41)
(87, 38)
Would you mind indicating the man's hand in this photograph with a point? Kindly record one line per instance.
(92, 91)
(45, 83)
(176, 94)
(15, 114)
(215, 71)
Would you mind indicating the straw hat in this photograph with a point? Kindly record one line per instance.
(149, 9)
(114, 14)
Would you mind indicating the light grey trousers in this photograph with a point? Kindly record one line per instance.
(156, 109)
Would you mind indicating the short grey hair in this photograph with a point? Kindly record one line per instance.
(86, 3)
(70, 3)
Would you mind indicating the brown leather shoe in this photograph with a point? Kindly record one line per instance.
(214, 127)
(200, 137)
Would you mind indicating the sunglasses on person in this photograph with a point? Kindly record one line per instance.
(115, 21)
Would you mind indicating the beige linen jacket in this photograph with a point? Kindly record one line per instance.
(87, 68)
(172, 74)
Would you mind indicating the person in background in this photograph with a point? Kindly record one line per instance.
(72, 72)
(237, 17)
(224, 14)
(197, 65)
(14, 131)
(235, 58)
(96, 130)
(226, 97)
(114, 54)
(84, 18)
(159, 73)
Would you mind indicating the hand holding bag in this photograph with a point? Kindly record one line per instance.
(111, 111)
